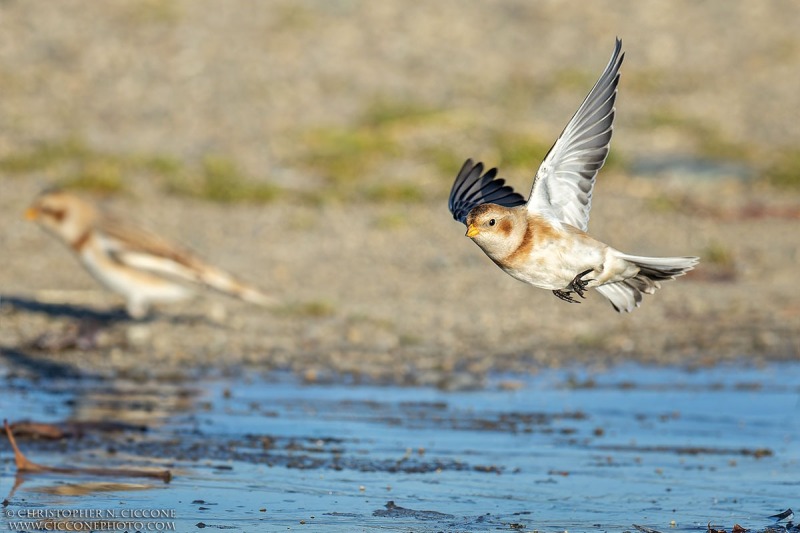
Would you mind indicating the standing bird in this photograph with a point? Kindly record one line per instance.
(543, 241)
(141, 266)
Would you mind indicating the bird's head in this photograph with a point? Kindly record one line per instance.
(496, 229)
(61, 213)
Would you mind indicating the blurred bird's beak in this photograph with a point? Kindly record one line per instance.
(472, 230)
(31, 213)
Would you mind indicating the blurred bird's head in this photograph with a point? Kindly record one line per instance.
(496, 229)
(62, 214)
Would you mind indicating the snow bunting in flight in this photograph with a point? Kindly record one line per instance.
(543, 241)
(141, 266)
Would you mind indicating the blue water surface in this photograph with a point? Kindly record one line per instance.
(574, 449)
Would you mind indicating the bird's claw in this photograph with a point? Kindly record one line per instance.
(565, 295)
(577, 285)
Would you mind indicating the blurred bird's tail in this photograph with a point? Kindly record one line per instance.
(224, 282)
(627, 295)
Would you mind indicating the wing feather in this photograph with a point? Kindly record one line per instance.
(472, 188)
(562, 188)
(139, 248)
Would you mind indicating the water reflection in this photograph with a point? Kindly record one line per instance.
(565, 449)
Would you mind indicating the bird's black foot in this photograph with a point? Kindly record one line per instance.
(566, 296)
(579, 284)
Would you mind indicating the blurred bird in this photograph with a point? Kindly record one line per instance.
(141, 266)
(543, 241)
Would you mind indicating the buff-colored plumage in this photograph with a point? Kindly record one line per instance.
(141, 266)
(543, 241)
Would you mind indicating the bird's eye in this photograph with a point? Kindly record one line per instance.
(491, 222)
(57, 214)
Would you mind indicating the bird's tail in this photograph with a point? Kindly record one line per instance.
(224, 282)
(627, 295)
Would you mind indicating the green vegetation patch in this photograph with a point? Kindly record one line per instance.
(353, 154)
(519, 150)
(446, 161)
(73, 164)
(780, 168)
(383, 112)
(395, 192)
(784, 169)
(221, 180)
(344, 156)
(310, 309)
(719, 255)
(45, 156)
(353, 160)
(153, 12)
(709, 140)
(102, 176)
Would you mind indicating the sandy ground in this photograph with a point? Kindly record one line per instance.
(393, 290)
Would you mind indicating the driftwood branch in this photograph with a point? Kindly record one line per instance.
(26, 465)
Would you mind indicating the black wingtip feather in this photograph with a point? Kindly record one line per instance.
(472, 188)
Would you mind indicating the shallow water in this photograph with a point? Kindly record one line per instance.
(573, 450)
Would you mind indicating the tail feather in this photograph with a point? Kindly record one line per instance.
(626, 295)
(662, 268)
(224, 282)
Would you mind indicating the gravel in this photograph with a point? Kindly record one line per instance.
(393, 291)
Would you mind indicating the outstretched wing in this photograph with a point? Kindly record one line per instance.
(473, 188)
(563, 185)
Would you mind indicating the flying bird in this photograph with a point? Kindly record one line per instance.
(543, 241)
(141, 266)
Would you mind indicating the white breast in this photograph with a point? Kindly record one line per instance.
(131, 283)
(555, 264)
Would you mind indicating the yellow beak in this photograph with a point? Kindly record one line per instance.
(31, 213)
(472, 230)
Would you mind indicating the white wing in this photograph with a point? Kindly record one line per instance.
(143, 250)
(562, 188)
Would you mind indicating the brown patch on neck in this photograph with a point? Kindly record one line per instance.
(81, 241)
(537, 232)
(505, 227)
(57, 214)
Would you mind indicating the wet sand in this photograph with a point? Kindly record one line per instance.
(571, 450)
(415, 304)
(399, 358)
(386, 288)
